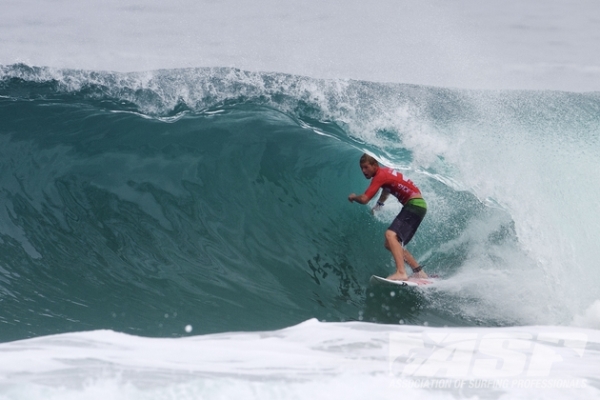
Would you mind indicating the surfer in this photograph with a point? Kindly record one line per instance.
(404, 226)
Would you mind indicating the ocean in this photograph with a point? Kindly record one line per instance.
(174, 219)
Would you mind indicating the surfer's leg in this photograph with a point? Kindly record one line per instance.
(413, 264)
(399, 234)
(410, 259)
(393, 245)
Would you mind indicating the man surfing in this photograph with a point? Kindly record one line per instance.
(404, 226)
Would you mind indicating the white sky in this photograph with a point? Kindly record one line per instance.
(509, 44)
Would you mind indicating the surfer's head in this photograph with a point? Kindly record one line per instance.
(368, 165)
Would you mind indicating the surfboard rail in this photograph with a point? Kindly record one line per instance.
(409, 282)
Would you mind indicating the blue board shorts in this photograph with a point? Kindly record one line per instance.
(407, 222)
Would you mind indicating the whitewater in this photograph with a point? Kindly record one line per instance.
(174, 219)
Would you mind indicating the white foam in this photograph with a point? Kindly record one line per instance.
(312, 360)
(590, 318)
(542, 175)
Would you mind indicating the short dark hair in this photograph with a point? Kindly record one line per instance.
(367, 159)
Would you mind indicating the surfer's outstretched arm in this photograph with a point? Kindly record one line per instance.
(362, 199)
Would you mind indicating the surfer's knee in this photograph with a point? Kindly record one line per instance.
(389, 236)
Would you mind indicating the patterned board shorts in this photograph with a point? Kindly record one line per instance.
(407, 222)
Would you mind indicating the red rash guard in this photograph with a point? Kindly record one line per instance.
(392, 181)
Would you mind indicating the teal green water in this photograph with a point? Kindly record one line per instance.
(224, 214)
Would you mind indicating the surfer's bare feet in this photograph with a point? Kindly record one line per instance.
(420, 275)
(398, 277)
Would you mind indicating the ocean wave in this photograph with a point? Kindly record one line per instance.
(135, 201)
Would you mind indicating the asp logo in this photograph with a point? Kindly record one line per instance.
(461, 355)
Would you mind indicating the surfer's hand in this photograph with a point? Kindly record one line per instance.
(377, 207)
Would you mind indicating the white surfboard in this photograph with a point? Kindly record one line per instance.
(409, 282)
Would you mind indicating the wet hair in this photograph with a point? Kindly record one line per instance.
(367, 159)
